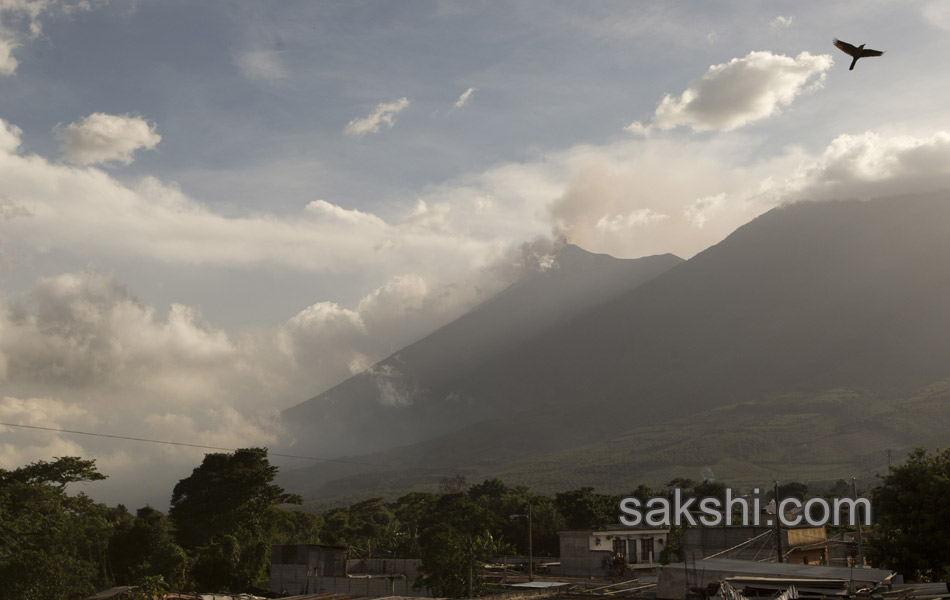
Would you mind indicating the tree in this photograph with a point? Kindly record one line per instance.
(411, 511)
(586, 509)
(51, 544)
(455, 541)
(490, 489)
(913, 517)
(298, 527)
(713, 489)
(367, 527)
(643, 493)
(224, 513)
(792, 489)
(144, 548)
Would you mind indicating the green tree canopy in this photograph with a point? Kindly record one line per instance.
(51, 544)
(455, 541)
(584, 508)
(913, 517)
(143, 548)
(224, 513)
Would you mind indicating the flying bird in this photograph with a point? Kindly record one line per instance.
(855, 51)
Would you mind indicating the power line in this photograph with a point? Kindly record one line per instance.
(731, 482)
(136, 439)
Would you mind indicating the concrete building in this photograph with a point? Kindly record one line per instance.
(319, 569)
(802, 545)
(583, 553)
(293, 565)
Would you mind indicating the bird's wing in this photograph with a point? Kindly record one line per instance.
(869, 52)
(845, 47)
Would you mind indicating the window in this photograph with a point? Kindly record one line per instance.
(619, 547)
(646, 547)
(632, 551)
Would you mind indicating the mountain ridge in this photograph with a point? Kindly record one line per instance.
(399, 397)
(806, 298)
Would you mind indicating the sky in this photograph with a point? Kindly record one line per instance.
(213, 211)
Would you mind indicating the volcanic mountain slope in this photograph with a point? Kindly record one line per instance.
(806, 298)
(414, 394)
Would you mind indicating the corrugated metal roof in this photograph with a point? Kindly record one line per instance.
(322, 596)
(540, 584)
(784, 569)
(111, 592)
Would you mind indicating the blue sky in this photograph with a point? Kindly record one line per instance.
(210, 211)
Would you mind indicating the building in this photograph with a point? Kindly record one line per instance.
(292, 566)
(588, 553)
(803, 545)
(319, 569)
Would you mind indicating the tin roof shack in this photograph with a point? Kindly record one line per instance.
(676, 579)
(589, 553)
(806, 545)
(292, 564)
(803, 545)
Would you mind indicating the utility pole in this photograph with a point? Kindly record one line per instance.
(530, 543)
(530, 546)
(778, 527)
(857, 513)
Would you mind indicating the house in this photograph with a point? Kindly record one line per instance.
(292, 565)
(320, 569)
(585, 553)
(801, 544)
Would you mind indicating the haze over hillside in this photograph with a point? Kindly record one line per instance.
(807, 298)
(418, 393)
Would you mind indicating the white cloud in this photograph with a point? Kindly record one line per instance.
(700, 211)
(83, 329)
(329, 342)
(629, 199)
(82, 353)
(781, 22)
(742, 91)
(384, 114)
(875, 165)
(431, 216)
(637, 218)
(464, 98)
(87, 211)
(937, 13)
(9, 210)
(8, 63)
(9, 137)
(324, 209)
(39, 411)
(102, 138)
(638, 128)
(20, 21)
(262, 65)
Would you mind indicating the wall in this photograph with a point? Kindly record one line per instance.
(294, 579)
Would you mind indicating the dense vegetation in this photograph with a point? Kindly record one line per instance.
(227, 513)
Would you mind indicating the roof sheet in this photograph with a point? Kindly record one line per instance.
(784, 569)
